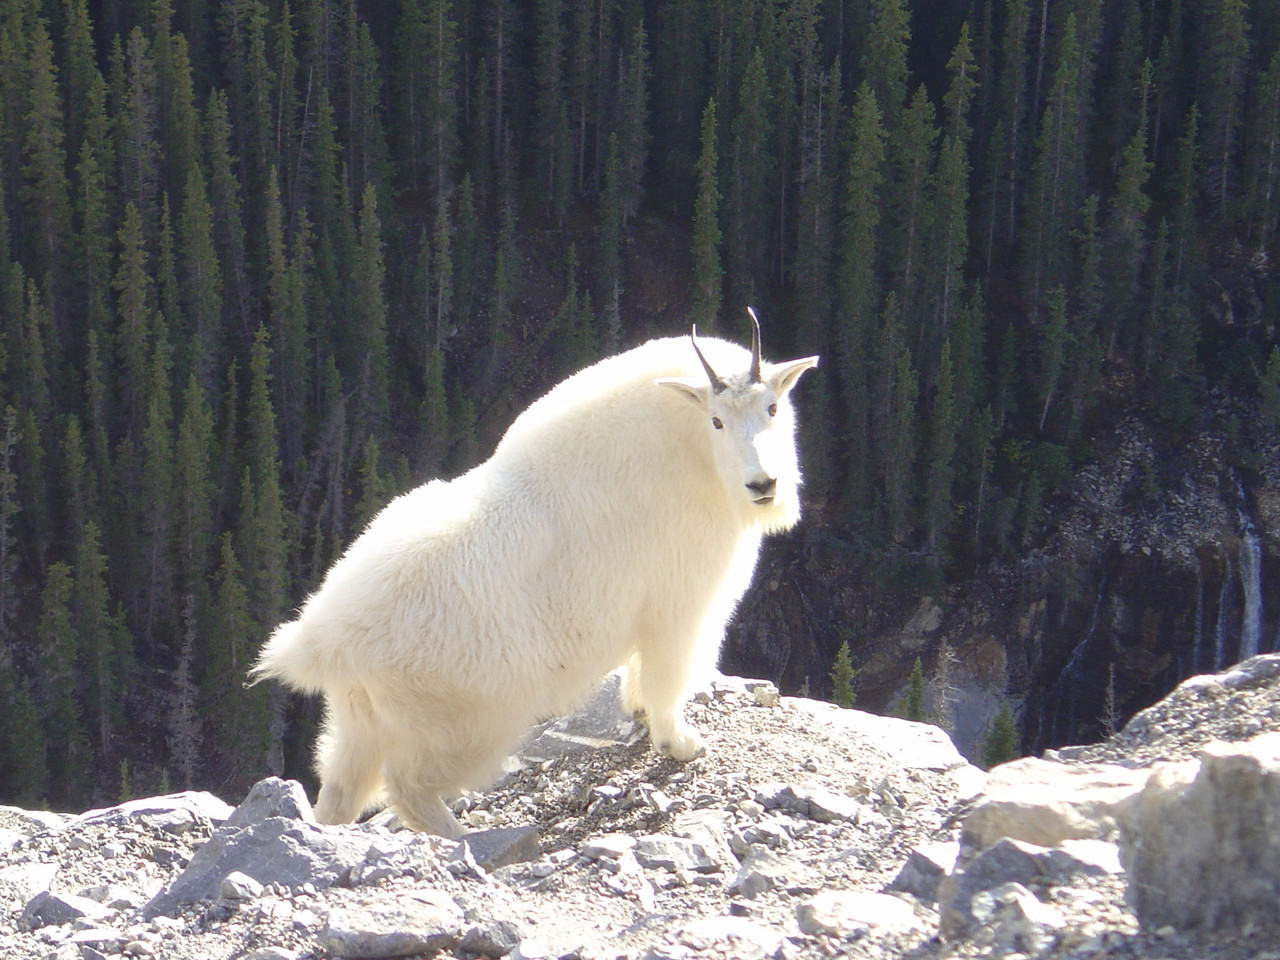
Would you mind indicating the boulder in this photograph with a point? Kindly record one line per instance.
(424, 921)
(844, 913)
(1201, 841)
(1045, 803)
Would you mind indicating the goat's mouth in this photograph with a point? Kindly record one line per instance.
(762, 501)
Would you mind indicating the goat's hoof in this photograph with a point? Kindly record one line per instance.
(683, 747)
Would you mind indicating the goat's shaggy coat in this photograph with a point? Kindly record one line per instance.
(615, 525)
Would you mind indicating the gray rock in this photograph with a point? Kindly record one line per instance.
(611, 845)
(1201, 842)
(239, 886)
(425, 921)
(745, 938)
(276, 850)
(813, 803)
(29, 823)
(1012, 919)
(913, 746)
(1006, 861)
(845, 913)
(1045, 803)
(53, 909)
(501, 847)
(763, 870)
(661, 852)
(598, 723)
(23, 881)
(708, 829)
(176, 813)
(497, 938)
(927, 864)
(272, 797)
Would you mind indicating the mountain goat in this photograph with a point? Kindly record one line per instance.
(616, 524)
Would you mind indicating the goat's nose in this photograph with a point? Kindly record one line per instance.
(765, 486)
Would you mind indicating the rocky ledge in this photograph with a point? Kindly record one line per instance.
(806, 831)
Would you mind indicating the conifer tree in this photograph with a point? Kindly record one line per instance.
(68, 746)
(844, 691)
(705, 306)
(45, 186)
(943, 428)
(133, 317)
(1001, 743)
(91, 208)
(200, 280)
(748, 194)
(369, 319)
(858, 286)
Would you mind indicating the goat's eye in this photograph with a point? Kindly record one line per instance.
(717, 423)
(773, 409)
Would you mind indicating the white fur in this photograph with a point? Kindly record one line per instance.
(611, 527)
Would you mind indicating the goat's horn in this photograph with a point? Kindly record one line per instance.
(755, 346)
(716, 383)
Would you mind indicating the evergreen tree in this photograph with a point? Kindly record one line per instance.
(369, 319)
(857, 286)
(132, 282)
(200, 280)
(885, 62)
(913, 699)
(45, 186)
(1226, 61)
(1001, 743)
(844, 677)
(707, 274)
(68, 745)
(752, 159)
(943, 428)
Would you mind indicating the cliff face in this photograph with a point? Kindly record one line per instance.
(807, 831)
(1159, 560)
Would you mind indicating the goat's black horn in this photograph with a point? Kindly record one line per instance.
(716, 383)
(755, 346)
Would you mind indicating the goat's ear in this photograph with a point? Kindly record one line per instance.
(695, 390)
(783, 376)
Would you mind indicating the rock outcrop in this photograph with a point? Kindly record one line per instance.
(805, 832)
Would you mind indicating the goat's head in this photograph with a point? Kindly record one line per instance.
(751, 424)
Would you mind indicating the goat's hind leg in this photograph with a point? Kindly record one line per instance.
(419, 805)
(348, 759)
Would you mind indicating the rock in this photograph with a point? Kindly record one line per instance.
(661, 852)
(23, 881)
(737, 932)
(707, 829)
(600, 722)
(272, 797)
(813, 803)
(238, 886)
(52, 909)
(611, 845)
(1044, 803)
(175, 813)
(926, 865)
(425, 921)
(915, 746)
(497, 938)
(1012, 861)
(1201, 842)
(273, 851)
(29, 823)
(764, 870)
(502, 847)
(844, 913)
(1013, 919)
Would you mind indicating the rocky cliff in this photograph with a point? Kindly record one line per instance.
(806, 831)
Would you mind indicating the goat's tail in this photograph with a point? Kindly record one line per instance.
(289, 657)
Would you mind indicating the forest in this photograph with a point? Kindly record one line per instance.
(266, 263)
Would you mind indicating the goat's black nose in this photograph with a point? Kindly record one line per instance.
(766, 486)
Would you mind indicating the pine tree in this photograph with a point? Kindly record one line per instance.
(1055, 338)
(10, 506)
(45, 186)
(136, 125)
(844, 678)
(885, 62)
(1226, 61)
(91, 207)
(132, 282)
(1001, 743)
(705, 306)
(912, 156)
(913, 699)
(858, 288)
(193, 495)
(200, 280)
(944, 426)
(749, 203)
(369, 319)
(68, 746)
